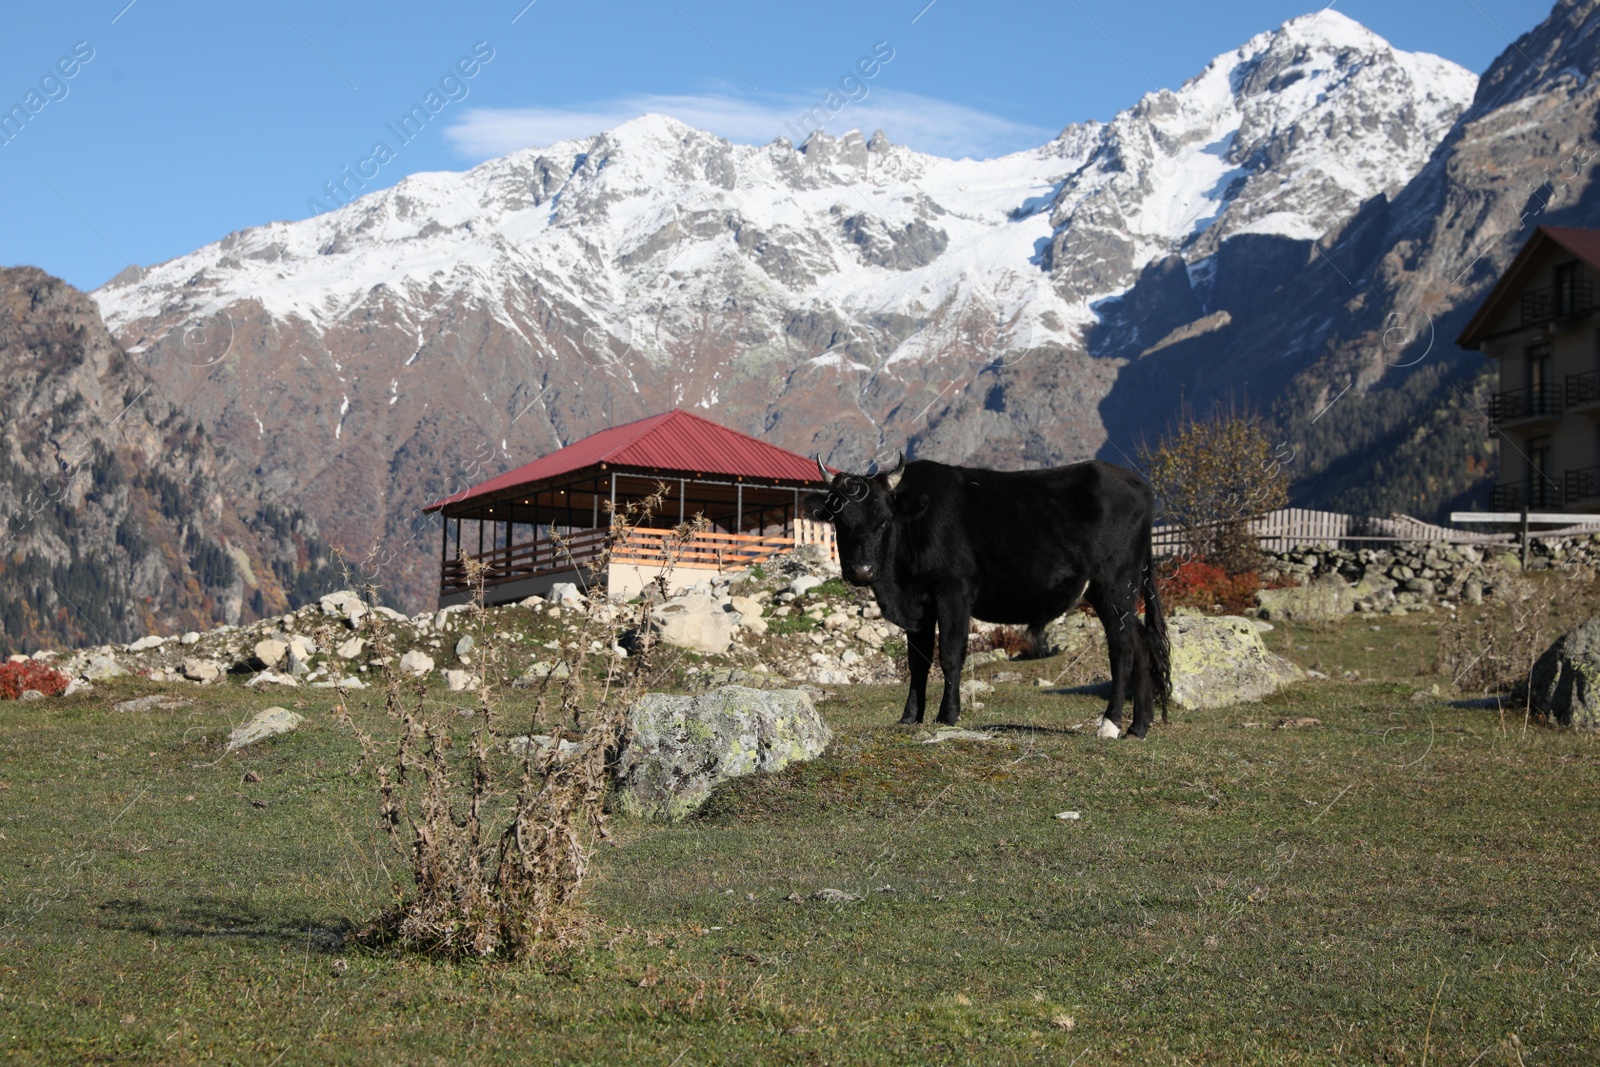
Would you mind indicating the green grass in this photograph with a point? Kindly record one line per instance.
(1407, 874)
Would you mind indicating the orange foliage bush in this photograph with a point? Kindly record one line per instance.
(1190, 582)
(16, 677)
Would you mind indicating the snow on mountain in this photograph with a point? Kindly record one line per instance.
(1285, 135)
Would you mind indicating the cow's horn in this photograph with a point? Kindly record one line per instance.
(892, 479)
(823, 471)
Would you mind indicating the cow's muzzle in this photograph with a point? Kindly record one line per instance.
(862, 573)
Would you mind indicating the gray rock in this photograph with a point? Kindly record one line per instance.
(144, 644)
(804, 584)
(1324, 600)
(345, 604)
(416, 663)
(190, 638)
(102, 667)
(1565, 682)
(457, 681)
(30, 695)
(678, 748)
(1221, 661)
(264, 724)
(270, 652)
(163, 701)
(76, 686)
(566, 595)
(351, 682)
(272, 678)
(694, 623)
(351, 648)
(200, 670)
(538, 672)
(465, 645)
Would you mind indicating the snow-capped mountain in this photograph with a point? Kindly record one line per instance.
(841, 297)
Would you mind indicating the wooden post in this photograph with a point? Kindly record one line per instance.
(738, 507)
(1525, 535)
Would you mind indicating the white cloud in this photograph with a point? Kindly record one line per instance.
(921, 122)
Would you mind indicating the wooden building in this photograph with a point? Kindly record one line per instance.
(749, 491)
(1539, 323)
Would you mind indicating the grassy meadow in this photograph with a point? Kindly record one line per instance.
(1412, 878)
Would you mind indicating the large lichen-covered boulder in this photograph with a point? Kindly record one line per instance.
(678, 748)
(1565, 683)
(1325, 600)
(1221, 660)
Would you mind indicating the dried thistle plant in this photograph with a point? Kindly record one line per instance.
(1494, 649)
(497, 827)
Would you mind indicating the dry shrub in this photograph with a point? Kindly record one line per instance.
(16, 678)
(1493, 649)
(498, 838)
(1213, 475)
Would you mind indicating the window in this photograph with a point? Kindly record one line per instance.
(1565, 297)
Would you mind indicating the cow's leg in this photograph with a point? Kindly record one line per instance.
(919, 657)
(953, 625)
(1142, 682)
(1115, 608)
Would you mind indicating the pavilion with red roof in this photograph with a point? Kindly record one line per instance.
(747, 490)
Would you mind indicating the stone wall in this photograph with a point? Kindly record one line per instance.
(1400, 578)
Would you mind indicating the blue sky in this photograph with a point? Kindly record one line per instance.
(190, 120)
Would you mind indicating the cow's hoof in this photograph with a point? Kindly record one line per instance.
(942, 721)
(1108, 730)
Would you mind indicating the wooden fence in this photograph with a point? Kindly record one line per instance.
(1287, 528)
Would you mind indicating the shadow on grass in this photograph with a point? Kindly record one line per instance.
(213, 917)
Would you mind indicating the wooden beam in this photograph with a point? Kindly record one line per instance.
(1517, 517)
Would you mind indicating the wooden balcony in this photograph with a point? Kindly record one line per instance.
(644, 554)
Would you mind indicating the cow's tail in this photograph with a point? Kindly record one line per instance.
(1155, 628)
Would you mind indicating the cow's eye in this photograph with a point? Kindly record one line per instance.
(883, 523)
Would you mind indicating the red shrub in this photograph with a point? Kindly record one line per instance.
(1188, 582)
(1012, 640)
(15, 677)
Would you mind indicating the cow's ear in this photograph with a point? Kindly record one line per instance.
(910, 506)
(815, 507)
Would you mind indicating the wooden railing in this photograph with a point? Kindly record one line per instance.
(643, 547)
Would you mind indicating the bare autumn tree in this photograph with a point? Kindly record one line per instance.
(1213, 475)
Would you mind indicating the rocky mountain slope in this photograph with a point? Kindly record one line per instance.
(846, 297)
(119, 515)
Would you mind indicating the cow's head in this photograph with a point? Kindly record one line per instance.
(862, 510)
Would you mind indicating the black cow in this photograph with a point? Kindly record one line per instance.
(942, 545)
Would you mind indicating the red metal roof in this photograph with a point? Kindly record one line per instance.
(674, 441)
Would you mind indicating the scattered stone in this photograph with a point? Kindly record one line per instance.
(77, 686)
(679, 748)
(351, 649)
(190, 638)
(956, 733)
(144, 644)
(1221, 661)
(540, 742)
(567, 595)
(270, 652)
(464, 646)
(417, 664)
(272, 678)
(164, 701)
(695, 623)
(102, 667)
(538, 672)
(345, 604)
(352, 682)
(804, 584)
(834, 896)
(1069, 816)
(457, 681)
(1291, 722)
(263, 724)
(30, 695)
